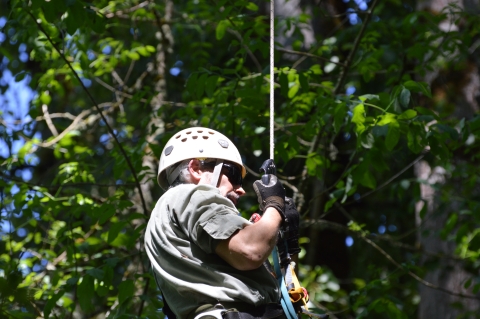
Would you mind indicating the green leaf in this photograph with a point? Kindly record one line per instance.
(105, 212)
(96, 273)
(387, 118)
(20, 76)
(283, 84)
(304, 82)
(414, 140)
(45, 97)
(393, 135)
(84, 293)
(404, 97)
(448, 129)
(252, 6)
(474, 123)
(114, 231)
(192, 84)
(126, 290)
(293, 91)
(339, 116)
(365, 97)
(47, 310)
(426, 111)
(201, 84)
(211, 85)
(420, 87)
(407, 115)
(359, 118)
(468, 283)
(221, 29)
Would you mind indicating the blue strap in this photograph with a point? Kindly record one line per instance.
(285, 297)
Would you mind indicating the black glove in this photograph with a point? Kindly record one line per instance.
(290, 235)
(271, 195)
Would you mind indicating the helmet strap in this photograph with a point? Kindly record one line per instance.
(176, 172)
(216, 172)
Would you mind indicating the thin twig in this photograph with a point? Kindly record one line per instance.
(309, 55)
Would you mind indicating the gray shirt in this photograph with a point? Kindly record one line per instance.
(181, 236)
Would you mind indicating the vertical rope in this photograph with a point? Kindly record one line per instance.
(272, 108)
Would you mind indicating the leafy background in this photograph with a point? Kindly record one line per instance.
(376, 138)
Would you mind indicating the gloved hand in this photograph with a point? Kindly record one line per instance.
(271, 195)
(291, 234)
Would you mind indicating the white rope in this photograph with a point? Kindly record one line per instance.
(272, 108)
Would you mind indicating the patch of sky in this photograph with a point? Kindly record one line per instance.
(90, 55)
(3, 21)
(21, 232)
(4, 151)
(5, 61)
(17, 145)
(353, 17)
(2, 37)
(104, 138)
(15, 100)
(107, 49)
(346, 136)
(350, 90)
(36, 215)
(87, 82)
(14, 190)
(362, 4)
(177, 68)
(175, 71)
(392, 228)
(349, 241)
(381, 229)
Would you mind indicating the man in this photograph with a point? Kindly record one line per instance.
(204, 255)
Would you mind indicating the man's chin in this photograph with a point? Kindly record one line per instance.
(233, 199)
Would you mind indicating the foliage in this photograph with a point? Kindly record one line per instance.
(114, 80)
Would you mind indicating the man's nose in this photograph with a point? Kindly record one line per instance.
(239, 191)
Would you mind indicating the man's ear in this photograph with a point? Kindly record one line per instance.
(194, 168)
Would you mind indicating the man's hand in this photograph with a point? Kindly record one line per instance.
(271, 195)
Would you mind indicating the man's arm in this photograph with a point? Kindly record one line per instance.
(249, 247)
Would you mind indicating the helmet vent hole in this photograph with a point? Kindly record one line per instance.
(184, 139)
(178, 135)
(205, 137)
(211, 133)
(189, 132)
(199, 131)
(195, 137)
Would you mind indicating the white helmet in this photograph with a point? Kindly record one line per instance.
(196, 142)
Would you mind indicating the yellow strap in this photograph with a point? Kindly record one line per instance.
(298, 292)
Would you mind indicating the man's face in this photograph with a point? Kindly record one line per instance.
(229, 182)
(228, 190)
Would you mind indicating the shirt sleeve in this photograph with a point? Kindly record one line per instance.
(210, 217)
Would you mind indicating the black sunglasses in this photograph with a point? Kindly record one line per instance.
(234, 174)
(232, 171)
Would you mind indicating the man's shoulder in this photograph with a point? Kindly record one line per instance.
(190, 189)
